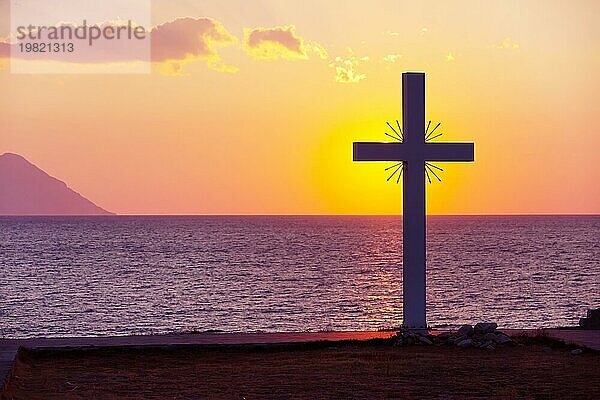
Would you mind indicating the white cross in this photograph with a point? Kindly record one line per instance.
(413, 152)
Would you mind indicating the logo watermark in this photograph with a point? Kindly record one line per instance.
(80, 36)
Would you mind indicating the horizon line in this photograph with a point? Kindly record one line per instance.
(298, 215)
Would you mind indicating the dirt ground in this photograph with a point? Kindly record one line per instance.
(347, 370)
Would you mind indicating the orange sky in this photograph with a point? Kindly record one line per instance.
(267, 128)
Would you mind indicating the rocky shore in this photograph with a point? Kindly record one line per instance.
(483, 335)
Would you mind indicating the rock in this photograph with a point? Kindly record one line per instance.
(501, 338)
(592, 321)
(409, 338)
(465, 343)
(576, 352)
(425, 340)
(465, 330)
(485, 327)
(490, 336)
(444, 335)
(585, 323)
(489, 346)
(593, 313)
(457, 338)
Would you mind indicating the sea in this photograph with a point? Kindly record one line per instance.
(123, 275)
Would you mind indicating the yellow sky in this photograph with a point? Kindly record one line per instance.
(519, 78)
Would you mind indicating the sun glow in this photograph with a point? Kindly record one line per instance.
(276, 136)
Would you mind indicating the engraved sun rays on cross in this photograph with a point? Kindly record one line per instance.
(398, 168)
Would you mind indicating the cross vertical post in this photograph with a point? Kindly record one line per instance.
(413, 202)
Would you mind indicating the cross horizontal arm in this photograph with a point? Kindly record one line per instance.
(450, 152)
(375, 151)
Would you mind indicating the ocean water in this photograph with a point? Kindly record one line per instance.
(64, 276)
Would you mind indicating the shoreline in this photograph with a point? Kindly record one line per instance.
(584, 337)
(9, 347)
(244, 366)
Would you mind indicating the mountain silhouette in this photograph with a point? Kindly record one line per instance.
(27, 190)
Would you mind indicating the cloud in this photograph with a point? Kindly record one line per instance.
(346, 68)
(280, 42)
(4, 55)
(319, 50)
(274, 43)
(508, 43)
(173, 44)
(89, 49)
(4, 49)
(183, 40)
(391, 33)
(392, 58)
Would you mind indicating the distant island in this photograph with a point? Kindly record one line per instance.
(27, 190)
